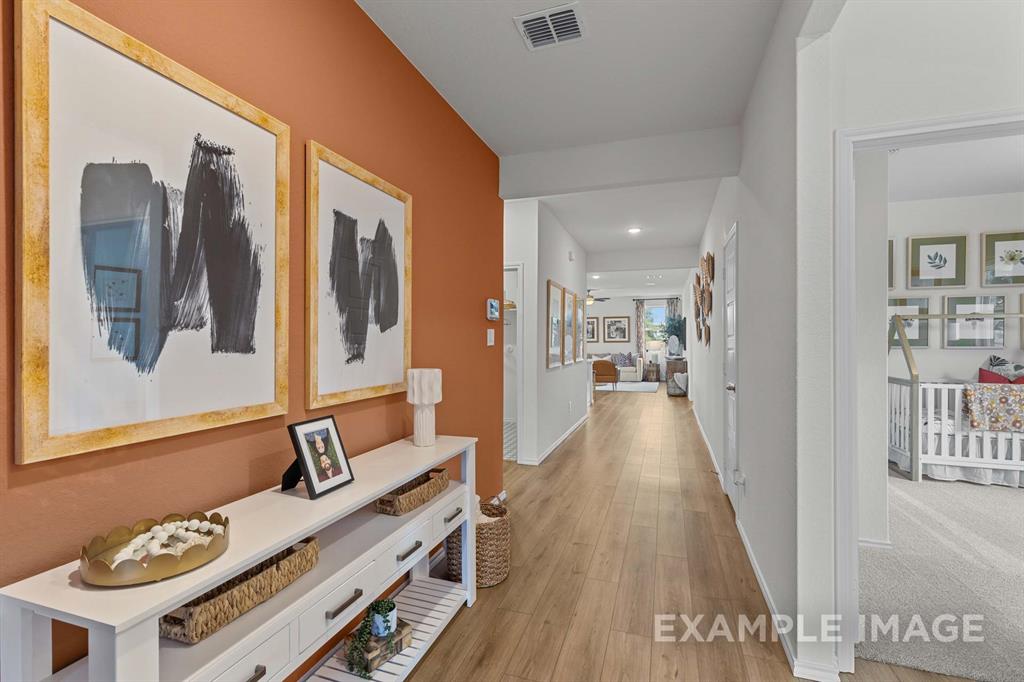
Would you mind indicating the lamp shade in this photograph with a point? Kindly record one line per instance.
(424, 387)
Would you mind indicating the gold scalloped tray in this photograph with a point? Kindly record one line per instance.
(97, 556)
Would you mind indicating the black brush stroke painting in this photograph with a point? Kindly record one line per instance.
(160, 259)
(364, 281)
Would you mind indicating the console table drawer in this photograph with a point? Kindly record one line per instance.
(407, 551)
(446, 520)
(338, 606)
(263, 662)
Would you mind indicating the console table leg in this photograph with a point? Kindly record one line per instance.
(132, 654)
(26, 650)
(468, 528)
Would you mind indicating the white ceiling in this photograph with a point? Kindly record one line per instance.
(957, 169)
(642, 68)
(671, 215)
(647, 283)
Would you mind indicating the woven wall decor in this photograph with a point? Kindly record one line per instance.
(702, 296)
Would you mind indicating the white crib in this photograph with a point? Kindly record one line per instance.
(930, 430)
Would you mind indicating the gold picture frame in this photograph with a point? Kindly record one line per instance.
(33, 440)
(315, 153)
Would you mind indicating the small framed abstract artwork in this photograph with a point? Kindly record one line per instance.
(358, 281)
(892, 261)
(983, 331)
(591, 333)
(579, 332)
(321, 455)
(616, 329)
(554, 335)
(152, 233)
(934, 262)
(1002, 259)
(917, 330)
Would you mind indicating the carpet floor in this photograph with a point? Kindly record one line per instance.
(631, 386)
(957, 548)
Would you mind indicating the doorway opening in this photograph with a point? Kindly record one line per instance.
(511, 341)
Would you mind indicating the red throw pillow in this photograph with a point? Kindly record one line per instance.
(1019, 380)
(987, 377)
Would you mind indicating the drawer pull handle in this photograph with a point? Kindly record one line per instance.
(457, 512)
(331, 615)
(402, 557)
(259, 674)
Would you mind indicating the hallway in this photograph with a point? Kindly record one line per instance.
(624, 521)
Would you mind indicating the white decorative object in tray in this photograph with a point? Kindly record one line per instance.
(361, 554)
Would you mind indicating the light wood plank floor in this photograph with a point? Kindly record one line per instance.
(625, 520)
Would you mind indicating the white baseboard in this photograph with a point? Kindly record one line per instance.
(816, 672)
(876, 544)
(787, 645)
(711, 451)
(557, 442)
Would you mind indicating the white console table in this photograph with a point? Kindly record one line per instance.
(362, 553)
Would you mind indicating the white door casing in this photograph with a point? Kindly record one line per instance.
(730, 470)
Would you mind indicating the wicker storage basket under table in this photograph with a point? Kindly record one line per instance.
(413, 494)
(493, 547)
(204, 615)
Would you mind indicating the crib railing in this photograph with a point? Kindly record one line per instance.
(930, 427)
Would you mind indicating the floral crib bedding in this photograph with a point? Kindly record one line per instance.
(995, 407)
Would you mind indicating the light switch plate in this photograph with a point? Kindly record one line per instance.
(490, 337)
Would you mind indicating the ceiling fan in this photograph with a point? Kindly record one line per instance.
(591, 298)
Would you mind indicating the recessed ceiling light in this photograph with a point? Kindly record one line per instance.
(650, 284)
(596, 276)
(634, 230)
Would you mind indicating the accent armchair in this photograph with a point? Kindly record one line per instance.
(605, 372)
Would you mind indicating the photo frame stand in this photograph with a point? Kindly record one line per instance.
(291, 476)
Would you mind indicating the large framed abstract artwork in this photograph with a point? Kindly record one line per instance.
(569, 328)
(580, 316)
(152, 243)
(358, 281)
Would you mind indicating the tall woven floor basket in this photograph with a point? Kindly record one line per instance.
(493, 547)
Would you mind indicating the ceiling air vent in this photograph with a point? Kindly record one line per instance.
(550, 26)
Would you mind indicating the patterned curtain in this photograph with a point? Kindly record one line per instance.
(673, 307)
(641, 317)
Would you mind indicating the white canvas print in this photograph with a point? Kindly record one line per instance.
(937, 261)
(975, 332)
(162, 209)
(361, 284)
(555, 321)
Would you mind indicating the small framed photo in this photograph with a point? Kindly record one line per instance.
(1002, 259)
(917, 330)
(592, 327)
(493, 309)
(934, 262)
(321, 455)
(974, 332)
(616, 329)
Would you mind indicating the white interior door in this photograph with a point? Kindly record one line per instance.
(730, 264)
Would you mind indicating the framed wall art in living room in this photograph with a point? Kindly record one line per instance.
(358, 281)
(152, 262)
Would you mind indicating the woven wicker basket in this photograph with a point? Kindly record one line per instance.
(204, 615)
(493, 547)
(415, 493)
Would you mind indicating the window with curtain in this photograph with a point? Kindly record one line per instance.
(654, 325)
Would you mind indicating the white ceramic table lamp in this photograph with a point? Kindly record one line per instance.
(423, 392)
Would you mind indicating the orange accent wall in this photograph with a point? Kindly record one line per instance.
(325, 69)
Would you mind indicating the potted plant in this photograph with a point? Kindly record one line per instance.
(381, 620)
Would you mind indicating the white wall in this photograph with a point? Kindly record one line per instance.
(871, 174)
(642, 259)
(641, 161)
(521, 243)
(705, 363)
(534, 238)
(614, 307)
(959, 215)
(561, 392)
(884, 62)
